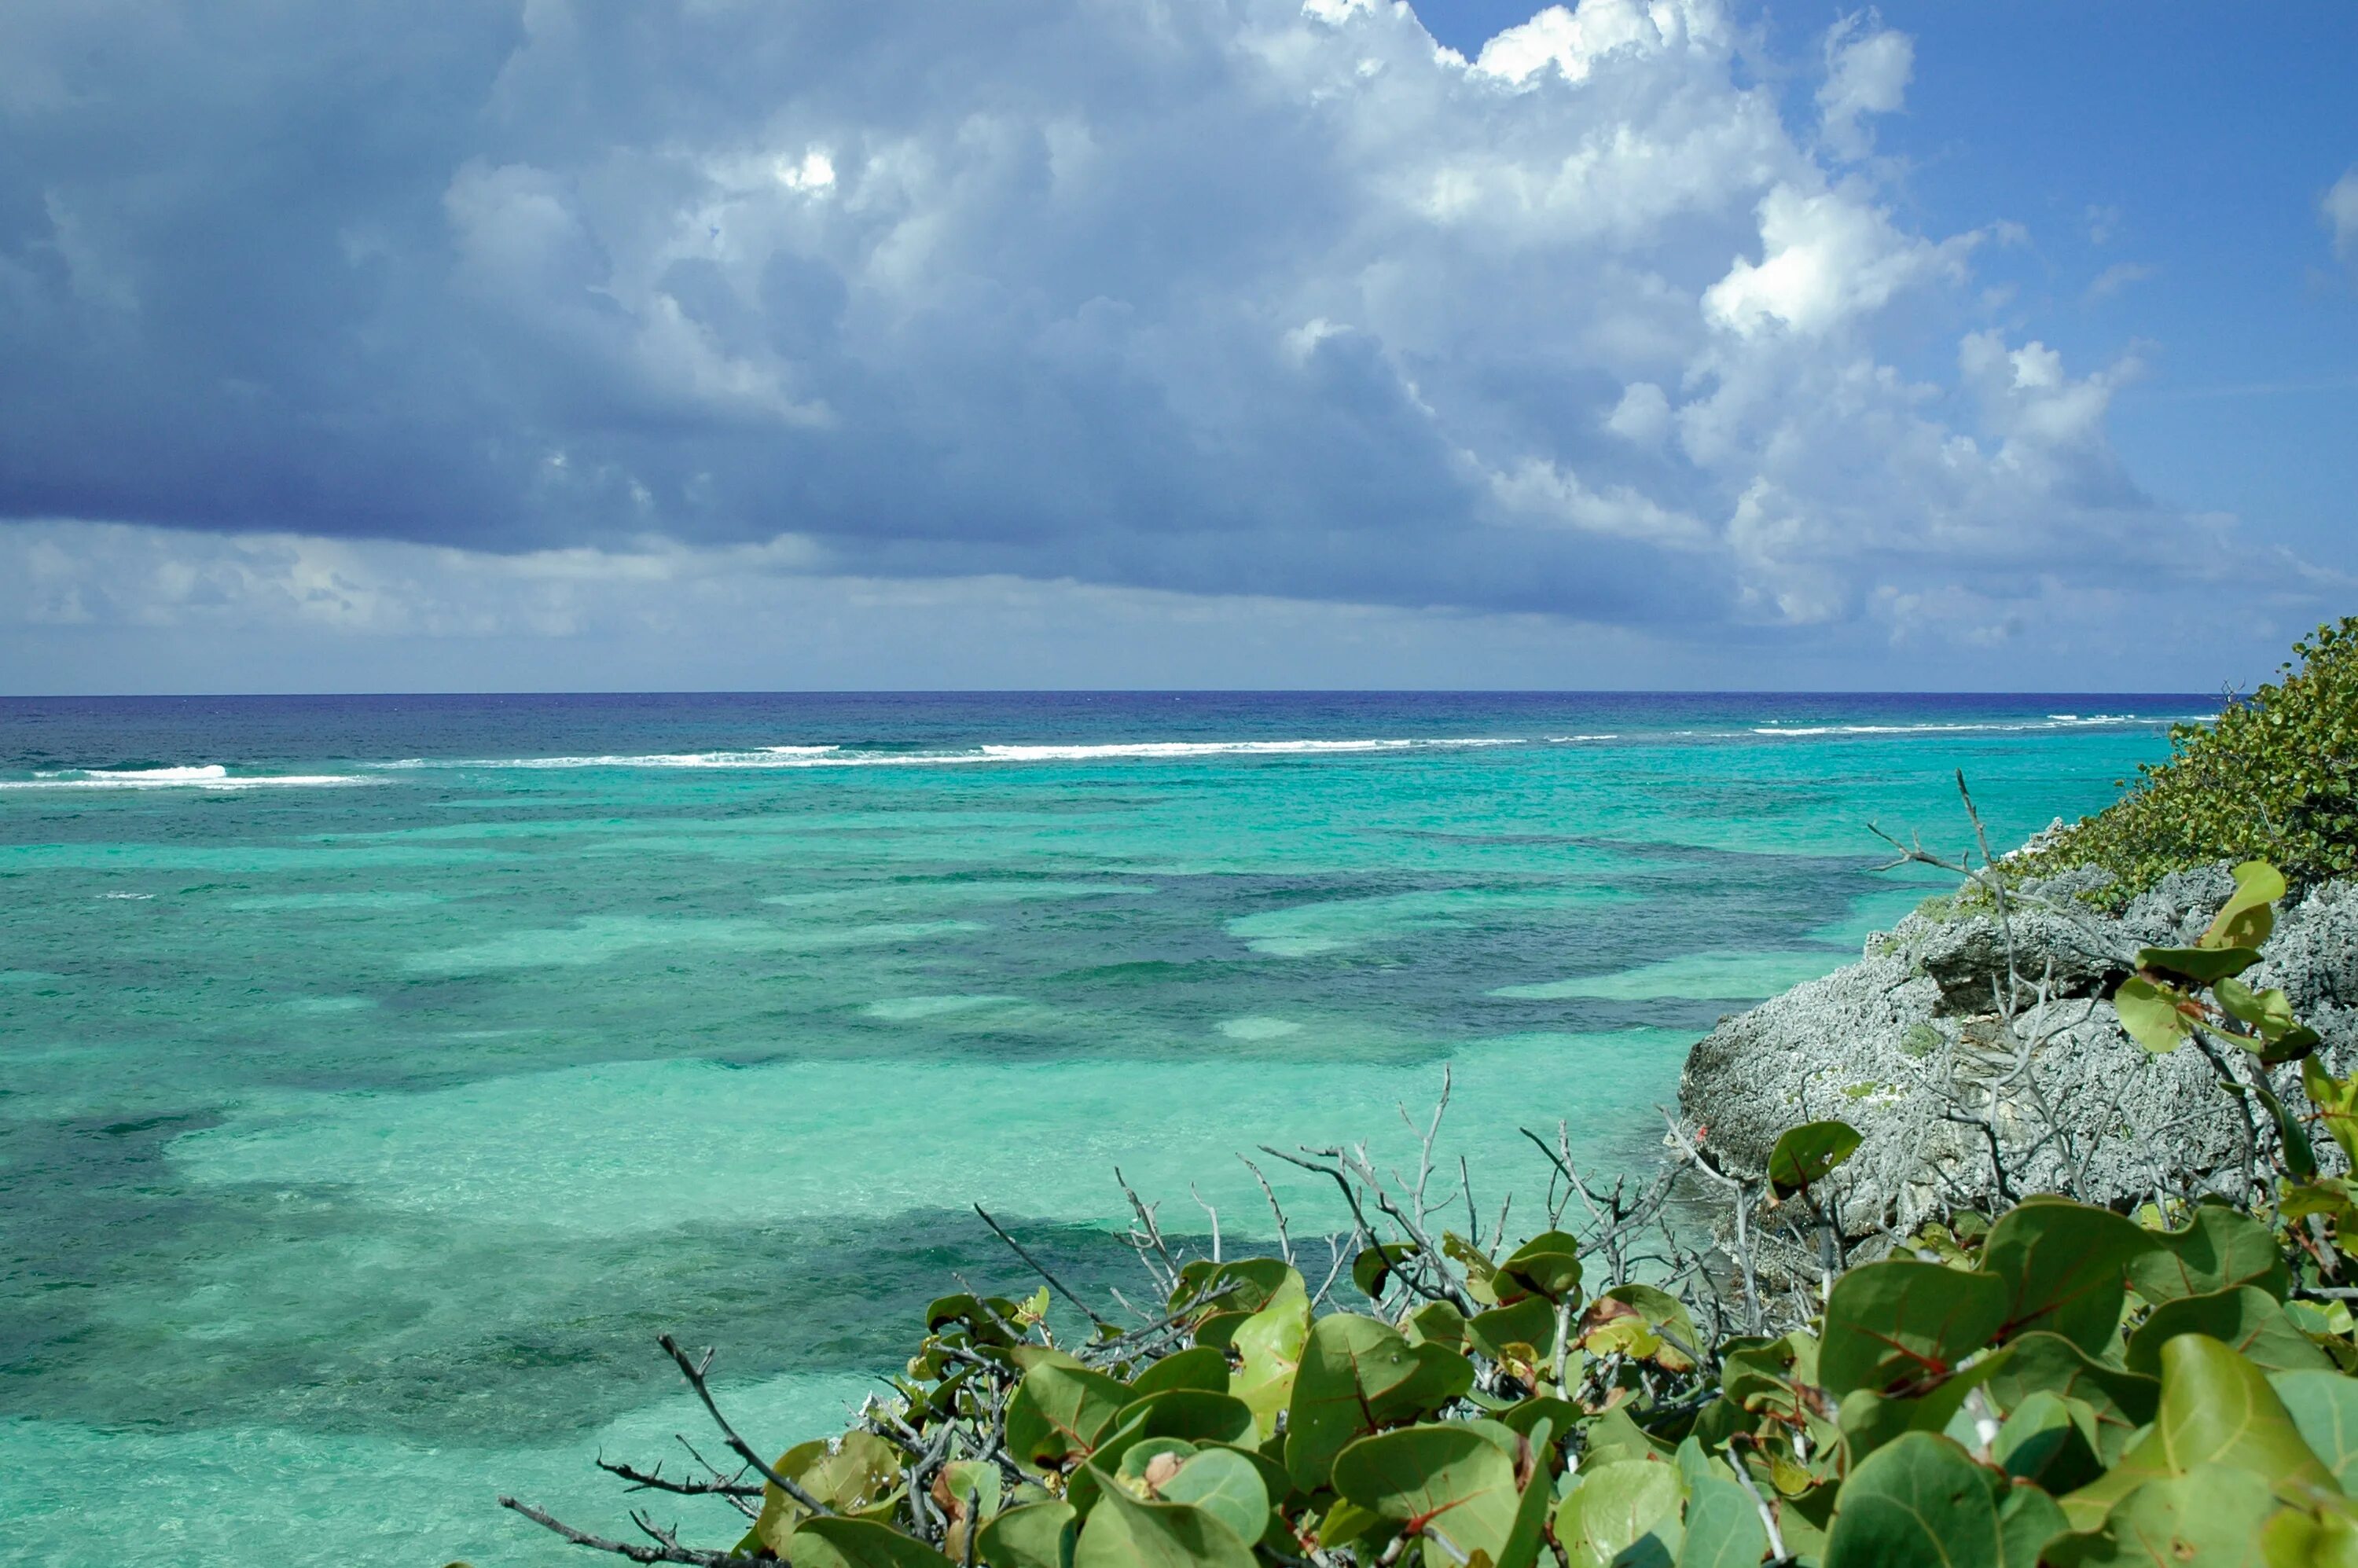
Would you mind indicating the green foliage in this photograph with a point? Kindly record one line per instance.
(2062, 1385)
(2275, 778)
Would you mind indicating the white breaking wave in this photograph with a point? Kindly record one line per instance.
(2053, 721)
(1567, 740)
(1216, 749)
(211, 775)
(763, 757)
(837, 757)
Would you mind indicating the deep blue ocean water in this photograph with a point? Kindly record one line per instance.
(379, 1075)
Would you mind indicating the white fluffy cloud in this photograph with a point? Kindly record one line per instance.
(1244, 298)
(1868, 71)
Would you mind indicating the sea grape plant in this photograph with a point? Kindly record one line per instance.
(2058, 1384)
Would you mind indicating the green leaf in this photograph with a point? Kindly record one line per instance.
(2051, 1440)
(2324, 1410)
(1899, 1325)
(1036, 1535)
(1241, 1285)
(1061, 1410)
(2301, 1158)
(2065, 1265)
(1199, 1366)
(1269, 1345)
(1918, 1500)
(1373, 1269)
(853, 1473)
(1481, 1274)
(1530, 1321)
(1617, 1505)
(1437, 1322)
(2122, 1402)
(1805, 1154)
(1123, 1532)
(2027, 1521)
(2220, 1248)
(2245, 919)
(2203, 965)
(1868, 1420)
(2269, 1011)
(1197, 1415)
(1723, 1527)
(1226, 1485)
(2212, 1515)
(2216, 1409)
(839, 1542)
(2245, 1319)
(2156, 1018)
(1356, 1377)
(1668, 1318)
(1547, 1265)
(1448, 1478)
(2336, 1100)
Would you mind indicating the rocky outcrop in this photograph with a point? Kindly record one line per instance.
(1900, 1043)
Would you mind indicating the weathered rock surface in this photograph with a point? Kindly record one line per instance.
(1913, 1035)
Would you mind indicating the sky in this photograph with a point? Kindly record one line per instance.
(749, 344)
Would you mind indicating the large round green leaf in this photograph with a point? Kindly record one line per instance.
(1723, 1527)
(1037, 1535)
(2243, 1319)
(2213, 1515)
(1447, 1478)
(1358, 1376)
(839, 1542)
(853, 1474)
(2065, 1266)
(1226, 1485)
(1061, 1410)
(2051, 1440)
(2217, 1408)
(2245, 919)
(1199, 1367)
(2219, 1248)
(1529, 1322)
(1805, 1154)
(1196, 1414)
(2156, 1018)
(1899, 1325)
(1617, 1505)
(1269, 1345)
(2201, 965)
(1547, 1265)
(2122, 1401)
(2324, 1410)
(1123, 1532)
(1918, 1500)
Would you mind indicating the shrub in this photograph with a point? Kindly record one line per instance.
(2274, 777)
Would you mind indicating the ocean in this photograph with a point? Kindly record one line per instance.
(379, 1075)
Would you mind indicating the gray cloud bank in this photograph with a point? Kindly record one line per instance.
(1224, 297)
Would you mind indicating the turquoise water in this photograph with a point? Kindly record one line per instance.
(381, 1076)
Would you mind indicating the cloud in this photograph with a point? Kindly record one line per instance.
(1868, 68)
(2339, 208)
(2117, 276)
(1255, 300)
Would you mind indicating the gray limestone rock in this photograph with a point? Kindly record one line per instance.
(1895, 1043)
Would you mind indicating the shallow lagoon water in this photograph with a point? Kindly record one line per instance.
(382, 1075)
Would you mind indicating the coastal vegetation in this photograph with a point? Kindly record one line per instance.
(2274, 777)
(1733, 1362)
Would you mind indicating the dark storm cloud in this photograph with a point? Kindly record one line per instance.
(1236, 296)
